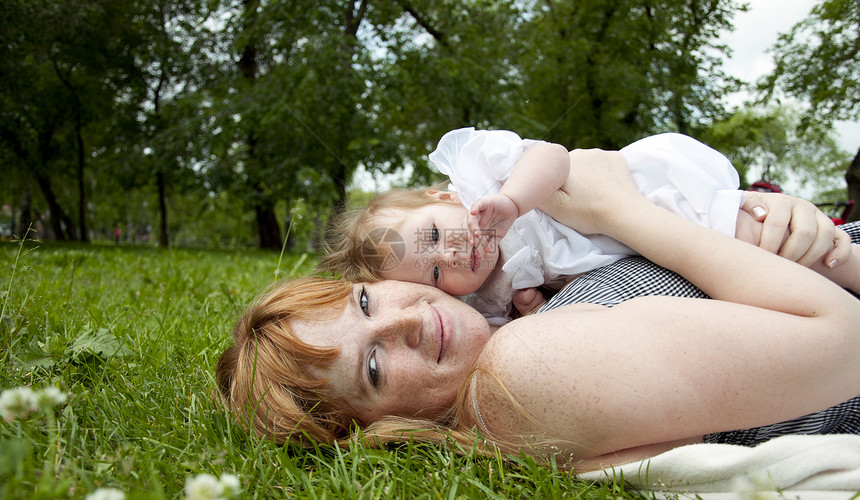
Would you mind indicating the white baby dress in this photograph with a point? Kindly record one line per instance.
(673, 171)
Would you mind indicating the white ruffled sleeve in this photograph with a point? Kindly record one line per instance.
(478, 161)
(686, 177)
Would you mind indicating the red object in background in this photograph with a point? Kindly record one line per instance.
(840, 219)
(764, 186)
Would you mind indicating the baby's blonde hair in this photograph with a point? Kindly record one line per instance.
(357, 246)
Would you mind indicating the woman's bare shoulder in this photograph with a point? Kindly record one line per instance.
(527, 376)
(594, 380)
(539, 331)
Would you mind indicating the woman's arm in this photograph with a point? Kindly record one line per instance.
(652, 371)
(794, 228)
(791, 227)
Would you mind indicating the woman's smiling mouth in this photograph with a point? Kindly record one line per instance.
(440, 334)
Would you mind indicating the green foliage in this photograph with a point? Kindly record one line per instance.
(67, 66)
(603, 74)
(777, 138)
(132, 335)
(218, 121)
(816, 61)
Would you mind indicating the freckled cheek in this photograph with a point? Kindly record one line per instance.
(412, 377)
(420, 387)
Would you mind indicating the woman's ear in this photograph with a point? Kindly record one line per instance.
(443, 195)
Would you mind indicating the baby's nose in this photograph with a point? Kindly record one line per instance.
(456, 247)
(456, 240)
(450, 258)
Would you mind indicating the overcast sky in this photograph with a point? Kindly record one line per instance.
(755, 32)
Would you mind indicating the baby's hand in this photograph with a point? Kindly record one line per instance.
(491, 217)
(527, 300)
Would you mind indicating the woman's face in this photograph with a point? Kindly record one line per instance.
(405, 349)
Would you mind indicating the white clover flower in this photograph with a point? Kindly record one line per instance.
(49, 397)
(17, 403)
(203, 487)
(106, 494)
(231, 484)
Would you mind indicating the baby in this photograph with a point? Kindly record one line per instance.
(485, 237)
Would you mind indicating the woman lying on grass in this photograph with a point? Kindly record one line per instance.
(583, 384)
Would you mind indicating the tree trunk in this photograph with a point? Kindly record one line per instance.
(163, 235)
(25, 220)
(267, 223)
(82, 216)
(56, 213)
(852, 177)
(82, 199)
(56, 216)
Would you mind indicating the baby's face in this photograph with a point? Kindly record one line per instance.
(437, 250)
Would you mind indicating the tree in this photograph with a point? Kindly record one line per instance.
(32, 109)
(67, 63)
(443, 65)
(602, 74)
(176, 69)
(201, 105)
(816, 61)
(292, 119)
(775, 137)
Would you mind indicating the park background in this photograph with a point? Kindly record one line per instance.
(218, 137)
(226, 123)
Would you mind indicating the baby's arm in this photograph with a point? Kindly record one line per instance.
(541, 171)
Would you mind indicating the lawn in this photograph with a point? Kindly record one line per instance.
(131, 335)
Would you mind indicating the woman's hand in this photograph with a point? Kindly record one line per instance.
(812, 235)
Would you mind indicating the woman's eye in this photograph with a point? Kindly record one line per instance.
(364, 301)
(435, 274)
(372, 371)
(434, 235)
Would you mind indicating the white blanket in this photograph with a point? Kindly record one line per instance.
(805, 467)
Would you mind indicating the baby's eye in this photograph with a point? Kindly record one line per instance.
(372, 371)
(435, 274)
(364, 301)
(434, 234)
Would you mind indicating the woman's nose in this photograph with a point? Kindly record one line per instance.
(402, 326)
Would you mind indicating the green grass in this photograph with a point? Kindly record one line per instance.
(132, 336)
